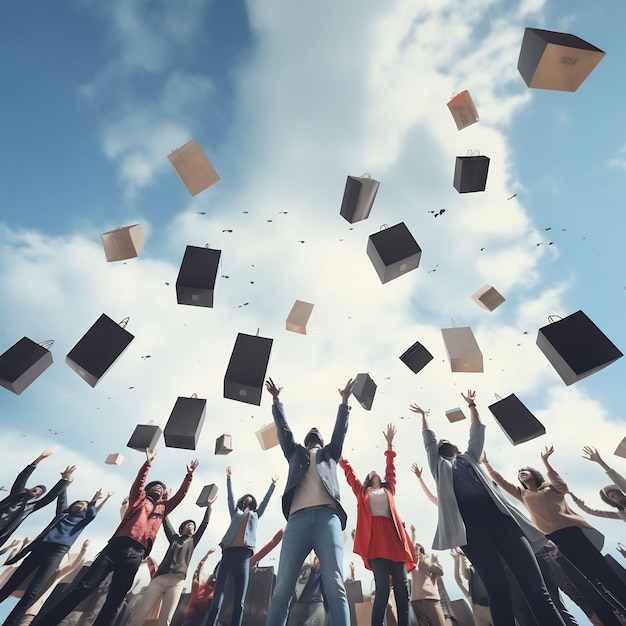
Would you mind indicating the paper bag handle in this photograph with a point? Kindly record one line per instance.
(47, 344)
(124, 322)
(554, 318)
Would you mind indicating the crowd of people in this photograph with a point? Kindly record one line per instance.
(511, 567)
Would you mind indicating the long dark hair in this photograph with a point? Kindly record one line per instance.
(367, 483)
(535, 473)
(240, 502)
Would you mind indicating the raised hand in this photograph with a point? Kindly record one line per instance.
(470, 398)
(67, 473)
(390, 434)
(272, 388)
(274, 478)
(347, 390)
(417, 409)
(229, 471)
(192, 466)
(211, 501)
(592, 454)
(416, 470)
(546, 455)
(97, 495)
(150, 455)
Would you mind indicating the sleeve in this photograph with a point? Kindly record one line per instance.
(335, 446)
(51, 495)
(136, 488)
(267, 548)
(476, 441)
(231, 496)
(177, 498)
(432, 454)
(62, 500)
(557, 482)
(92, 511)
(596, 512)
(168, 529)
(618, 479)
(351, 477)
(203, 525)
(285, 436)
(19, 484)
(390, 470)
(265, 501)
(510, 488)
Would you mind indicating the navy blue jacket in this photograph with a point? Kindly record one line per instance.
(299, 458)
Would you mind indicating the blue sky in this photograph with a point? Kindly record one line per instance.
(286, 100)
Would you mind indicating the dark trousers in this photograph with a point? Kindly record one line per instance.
(43, 560)
(578, 550)
(235, 564)
(122, 556)
(382, 570)
(491, 534)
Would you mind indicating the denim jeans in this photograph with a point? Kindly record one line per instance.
(383, 569)
(319, 529)
(235, 563)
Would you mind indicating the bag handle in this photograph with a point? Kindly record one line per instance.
(473, 153)
(365, 175)
(47, 344)
(124, 322)
(452, 322)
(554, 318)
(498, 398)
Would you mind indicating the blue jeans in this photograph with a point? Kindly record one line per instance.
(319, 529)
(235, 563)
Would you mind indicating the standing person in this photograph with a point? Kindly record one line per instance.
(381, 539)
(578, 541)
(237, 547)
(308, 607)
(311, 504)
(425, 599)
(167, 582)
(476, 517)
(21, 502)
(45, 553)
(131, 542)
(614, 494)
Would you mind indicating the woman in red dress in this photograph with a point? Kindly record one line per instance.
(381, 539)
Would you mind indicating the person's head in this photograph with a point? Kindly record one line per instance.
(248, 501)
(155, 490)
(313, 438)
(37, 491)
(447, 449)
(613, 496)
(80, 506)
(419, 550)
(374, 481)
(188, 527)
(530, 477)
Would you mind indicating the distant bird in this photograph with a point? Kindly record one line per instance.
(301, 241)
(201, 212)
(228, 230)
(245, 211)
(269, 220)
(513, 196)
(224, 276)
(167, 284)
(282, 212)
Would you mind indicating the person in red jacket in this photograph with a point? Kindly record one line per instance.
(129, 545)
(381, 539)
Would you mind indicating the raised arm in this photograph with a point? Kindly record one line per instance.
(229, 491)
(390, 467)
(204, 523)
(587, 509)
(617, 478)
(266, 549)
(458, 556)
(261, 509)
(104, 500)
(136, 489)
(351, 477)
(285, 436)
(177, 498)
(557, 482)
(430, 440)
(335, 447)
(510, 488)
(58, 489)
(477, 435)
(429, 494)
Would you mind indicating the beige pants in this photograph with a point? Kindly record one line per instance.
(428, 612)
(167, 588)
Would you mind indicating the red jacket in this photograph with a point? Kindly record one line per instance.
(364, 512)
(143, 517)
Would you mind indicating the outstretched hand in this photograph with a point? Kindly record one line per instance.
(470, 397)
(390, 434)
(547, 453)
(347, 390)
(211, 501)
(229, 471)
(272, 388)
(192, 466)
(417, 409)
(592, 454)
(416, 470)
(67, 473)
(274, 478)
(150, 455)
